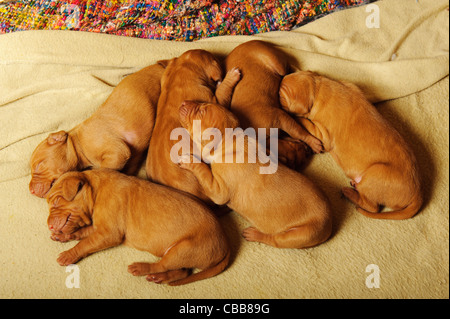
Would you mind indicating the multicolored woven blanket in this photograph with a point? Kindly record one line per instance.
(164, 19)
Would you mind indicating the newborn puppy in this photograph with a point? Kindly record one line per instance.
(105, 208)
(255, 99)
(116, 136)
(382, 168)
(192, 76)
(286, 208)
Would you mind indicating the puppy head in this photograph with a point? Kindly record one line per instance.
(204, 61)
(51, 158)
(211, 116)
(70, 203)
(297, 92)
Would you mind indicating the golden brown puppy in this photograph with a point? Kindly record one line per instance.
(105, 208)
(381, 166)
(192, 76)
(286, 208)
(116, 136)
(255, 98)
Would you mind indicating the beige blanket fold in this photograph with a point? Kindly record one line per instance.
(397, 51)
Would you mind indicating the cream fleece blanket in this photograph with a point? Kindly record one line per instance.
(52, 80)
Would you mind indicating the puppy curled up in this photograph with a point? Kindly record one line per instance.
(104, 208)
(194, 75)
(116, 136)
(255, 99)
(285, 208)
(381, 165)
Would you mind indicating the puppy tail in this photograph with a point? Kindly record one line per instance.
(206, 273)
(405, 213)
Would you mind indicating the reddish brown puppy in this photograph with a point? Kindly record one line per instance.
(116, 136)
(255, 99)
(382, 167)
(286, 209)
(194, 75)
(104, 208)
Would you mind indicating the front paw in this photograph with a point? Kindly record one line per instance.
(315, 144)
(63, 238)
(234, 75)
(139, 269)
(186, 161)
(67, 257)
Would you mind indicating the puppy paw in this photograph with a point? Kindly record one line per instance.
(231, 78)
(185, 160)
(315, 144)
(158, 278)
(67, 258)
(62, 238)
(139, 269)
(252, 234)
(234, 75)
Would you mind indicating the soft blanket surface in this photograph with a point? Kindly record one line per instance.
(52, 80)
(165, 19)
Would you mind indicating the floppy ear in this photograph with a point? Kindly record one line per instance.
(279, 66)
(164, 63)
(58, 137)
(307, 93)
(71, 186)
(297, 93)
(214, 71)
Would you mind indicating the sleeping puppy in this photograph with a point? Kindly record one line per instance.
(286, 209)
(116, 136)
(382, 168)
(104, 208)
(255, 98)
(192, 76)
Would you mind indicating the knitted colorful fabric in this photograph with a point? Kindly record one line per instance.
(164, 19)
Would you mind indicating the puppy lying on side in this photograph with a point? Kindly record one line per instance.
(255, 99)
(116, 136)
(105, 208)
(286, 208)
(382, 167)
(192, 76)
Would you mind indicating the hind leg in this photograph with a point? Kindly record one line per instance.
(374, 187)
(173, 265)
(152, 270)
(142, 269)
(296, 237)
(360, 200)
(168, 276)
